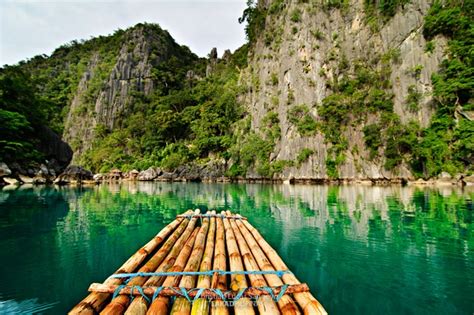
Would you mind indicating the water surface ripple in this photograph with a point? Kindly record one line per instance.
(362, 250)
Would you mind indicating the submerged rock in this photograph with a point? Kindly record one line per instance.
(4, 170)
(149, 174)
(189, 172)
(16, 168)
(43, 171)
(54, 167)
(99, 177)
(11, 181)
(167, 177)
(42, 175)
(39, 180)
(26, 179)
(74, 173)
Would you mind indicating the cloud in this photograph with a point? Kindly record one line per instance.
(33, 27)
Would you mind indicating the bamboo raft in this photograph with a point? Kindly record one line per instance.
(201, 264)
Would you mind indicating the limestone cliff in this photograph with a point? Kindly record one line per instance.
(307, 46)
(105, 92)
(323, 90)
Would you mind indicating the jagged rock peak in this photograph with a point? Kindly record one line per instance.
(226, 56)
(212, 61)
(126, 65)
(213, 54)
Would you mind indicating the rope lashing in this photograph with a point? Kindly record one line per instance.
(185, 292)
(219, 293)
(157, 292)
(279, 273)
(208, 215)
(239, 295)
(188, 293)
(138, 288)
(120, 287)
(278, 297)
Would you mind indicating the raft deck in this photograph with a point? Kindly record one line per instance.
(201, 264)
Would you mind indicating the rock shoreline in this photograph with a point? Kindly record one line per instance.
(208, 173)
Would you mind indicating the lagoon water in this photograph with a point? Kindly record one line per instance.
(362, 250)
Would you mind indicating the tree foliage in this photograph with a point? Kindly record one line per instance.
(187, 122)
(254, 15)
(447, 144)
(21, 112)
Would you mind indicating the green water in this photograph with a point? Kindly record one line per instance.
(362, 250)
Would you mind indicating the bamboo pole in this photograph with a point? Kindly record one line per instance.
(242, 306)
(120, 303)
(286, 303)
(219, 281)
(140, 305)
(208, 294)
(201, 305)
(160, 304)
(95, 302)
(306, 300)
(265, 304)
(181, 305)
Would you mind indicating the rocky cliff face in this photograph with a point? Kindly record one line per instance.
(306, 47)
(106, 90)
(323, 90)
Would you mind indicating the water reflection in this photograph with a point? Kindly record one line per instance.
(363, 250)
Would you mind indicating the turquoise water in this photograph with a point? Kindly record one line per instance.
(362, 250)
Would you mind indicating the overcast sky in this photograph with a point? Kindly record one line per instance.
(33, 27)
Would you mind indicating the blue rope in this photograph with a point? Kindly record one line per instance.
(140, 290)
(199, 292)
(157, 292)
(131, 293)
(219, 293)
(117, 291)
(239, 295)
(206, 215)
(183, 292)
(270, 292)
(282, 292)
(279, 273)
(177, 292)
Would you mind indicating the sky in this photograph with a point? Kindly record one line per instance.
(33, 27)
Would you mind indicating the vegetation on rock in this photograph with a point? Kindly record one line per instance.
(447, 145)
(194, 112)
